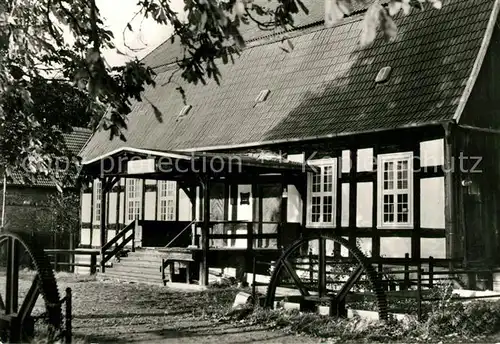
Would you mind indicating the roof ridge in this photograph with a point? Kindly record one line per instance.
(156, 48)
(347, 19)
(299, 31)
(81, 129)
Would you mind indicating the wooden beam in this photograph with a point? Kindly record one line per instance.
(375, 196)
(92, 195)
(157, 200)
(205, 230)
(478, 129)
(118, 192)
(415, 239)
(353, 196)
(449, 186)
(103, 221)
(176, 200)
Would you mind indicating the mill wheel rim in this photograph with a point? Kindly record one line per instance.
(44, 277)
(371, 274)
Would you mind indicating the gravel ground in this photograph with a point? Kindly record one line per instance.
(113, 312)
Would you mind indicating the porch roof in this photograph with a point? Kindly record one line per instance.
(179, 165)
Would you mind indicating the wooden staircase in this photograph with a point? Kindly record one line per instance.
(141, 266)
(152, 266)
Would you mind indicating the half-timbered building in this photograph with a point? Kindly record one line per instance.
(394, 146)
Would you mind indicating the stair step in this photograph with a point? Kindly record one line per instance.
(133, 279)
(142, 257)
(133, 262)
(135, 276)
(144, 271)
(145, 252)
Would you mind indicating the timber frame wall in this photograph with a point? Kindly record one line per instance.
(383, 143)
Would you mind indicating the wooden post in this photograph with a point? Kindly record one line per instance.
(407, 274)
(416, 232)
(311, 266)
(322, 267)
(55, 262)
(249, 236)
(68, 318)
(449, 200)
(431, 272)
(103, 221)
(353, 185)
(419, 292)
(72, 256)
(134, 229)
(12, 287)
(93, 263)
(205, 230)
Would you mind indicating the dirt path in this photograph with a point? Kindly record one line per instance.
(111, 312)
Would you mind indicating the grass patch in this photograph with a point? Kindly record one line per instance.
(447, 322)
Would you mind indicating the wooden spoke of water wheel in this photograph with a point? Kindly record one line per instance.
(16, 321)
(316, 285)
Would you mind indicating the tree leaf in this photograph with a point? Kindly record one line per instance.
(406, 6)
(437, 4)
(332, 13)
(303, 7)
(370, 24)
(157, 112)
(394, 7)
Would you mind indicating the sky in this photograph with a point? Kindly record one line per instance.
(144, 38)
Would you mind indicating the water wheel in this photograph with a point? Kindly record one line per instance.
(325, 270)
(27, 274)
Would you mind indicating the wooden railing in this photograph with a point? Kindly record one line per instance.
(255, 233)
(54, 255)
(127, 235)
(180, 233)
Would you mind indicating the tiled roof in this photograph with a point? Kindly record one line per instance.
(324, 87)
(77, 139)
(74, 141)
(167, 52)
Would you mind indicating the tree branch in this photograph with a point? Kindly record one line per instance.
(93, 23)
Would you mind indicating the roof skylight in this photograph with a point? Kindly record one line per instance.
(383, 75)
(262, 96)
(185, 110)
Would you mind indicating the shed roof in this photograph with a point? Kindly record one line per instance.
(325, 87)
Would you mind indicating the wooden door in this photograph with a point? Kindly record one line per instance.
(476, 236)
(217, 201)
(269, 210)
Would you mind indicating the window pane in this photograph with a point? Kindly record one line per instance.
(388, 208)
(327, 209)
(316, 182)
(316, 209)
(388, 175)
(402, 208)
(403, 174)
(328, 179)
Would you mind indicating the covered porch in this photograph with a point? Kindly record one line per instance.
(239, 205)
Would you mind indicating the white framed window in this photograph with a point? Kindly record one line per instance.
(167, 193)
(134, 199)
(97, 201)
(395, 190)
(321, 193)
